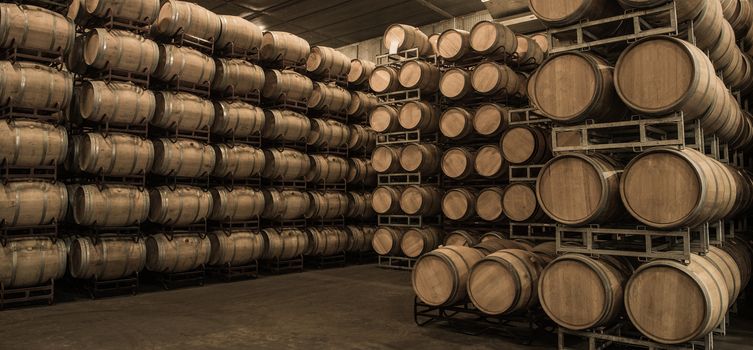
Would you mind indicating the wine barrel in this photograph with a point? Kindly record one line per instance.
(725, 263)
(462, 238)
(740, 251)
(386, 159)
(360, 71)
(596, 286)
(387, 240)
(529, 54)
(32, 203)
(285, 204)
(386, 200)
(183, 111)
(490, 163)
(433, 39)
(327, 61)
(523, 144)
(491, 78)
(384, 119)
(280, 85)
(328, 133)
(236, 118)
(77, 12)
(576, 189)
(456, 123)
(284, 244)
(236, 204)
(144, 11)
(458, 162)
(31, 85)
(237, 77)
(684, 88)
(285, 164)
(35, 28)
(559, 13)
(110, 205)
(360, 238)
(179, 206)
(329, 98)
(115, 103)
(493, 236)
(178, 252)
(238, 161)
(285, 125)
(519, 203)
(419, 115)
(492, 119)
(400, 37)
(359, 205)
(29, 262)
(183, 17)
(326, 241)
(588, 94)
(120, 50)
(362, 138)
(326, 168)
(114, 154)
(505, 282)
(455, 84)
(420, 200)
(238, 35)
(651, 295)
(74, 59)
(459, 204)
(423, 158)
(420, 75)
(327, 205)
(360, 171)
(440, 277)
(670, 188)
(183, 158)
(491, 38)
(107, 258)
(29, 143)
(286, 47)
(419, 241)
(361, 104)
(489, 206)
(543, 40)
(180, 63)
(384, 79)
(686, 10)
(238, 248)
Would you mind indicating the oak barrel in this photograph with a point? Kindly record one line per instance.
(386, 159)
(419, 115)
(559, 13)
(493, 39)
(327, 168)
(420, 75)
(459, 204)
(360, 71)
(241, 203)
(116, 103)
(32, 203)
(236, 118)
(519, 203)
(285, 125)
(522, 144)
(286, 47)
(454, 44)
(489, 204)
(29, 262)
(458, 163)
(505, 282)
(107, 258)
(237, 77)
(326, 241)
(285, 204)
(493, 236)
(463, 238)
(29, 143)
(238, 35)
(384, 79)
(360, 238)
(360, 171)
(178, 252)
(144, 11)
(492, 119)
(328, 133)
(491, 78)
(456, 123)
(529, 54)
(184, 64)
(359, 205)
(327, 205)
(35, 28)
(238, 248)
(183, 111)
(400, 37)
(386, 200)
(120, 50)
(441, 276)
(113, 154)
(362, 138)
(183, 158)
(490, 163)
(361, 104)
(419, 241)
(286, 85)
(329, 98)
(238, 161)
(284, 244)
(327, 61)
(179, 206)
(32, 85)
(110, 205)
(387, 240)
(183, 17)
(455, 84)
(421, 200)
(285, 164)
(384, 119)
(423, 158)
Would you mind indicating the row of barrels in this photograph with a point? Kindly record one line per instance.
(28, 262)
(581, 292)
(36, 202)
(414, 242)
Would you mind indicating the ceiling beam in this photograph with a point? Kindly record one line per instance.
(435, 8)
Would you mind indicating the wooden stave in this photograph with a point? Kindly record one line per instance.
(328, 133)
(183, 158)
(163, 198)
(285, 125)
(30, 143)
(392, 123)
(13, 214)
(360, 75)
(285, 204)
(465, 88)
(362, 138)
(237, 77)
(183, 111)
(286, 85)
(360, 238)
(176, 62)
(506, 116)
(495, 174)
(329, 98)
(360, 171)
(110, 205)
(430, 238)
(177, 17)
(504, 43)
(283, 244)
(327, 205)
(537, 215)
(412, 38)
(286, 47)
(32, 261)
(238, 35)
(180, 252)
(385, 82)
(116, 103)
(449, 52)
(236, 118)
(468, 195)
(491, 242)
(327, 169)
(121, 50)
(107, 258)
(508, 87)
(390, 165)
(421, 200)
(361, 104)
(326, 60)
(237, 204)
(359, 205)
(128, 154)
(238, 161)
(39, 29)
(326, 241)
(285, 164)
(427, 79)
(588, 10)
(493, 236)
(238, 248)
(32, 76)
(468, 238)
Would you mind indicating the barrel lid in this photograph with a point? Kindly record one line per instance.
(434, 279)
(382, 159)
(381, 79)
(412, 113)
(456, 205)
(456, 162)
(492, 286)
(450, 44)
(356, 70)
(488, 119)
(410, 74)
(566, 86)
(489, 161)
(382, 242)
(661, 187)
(381, 201)
(518, 144)
(484, 36)
(314, 59)
(412, 157)
(570, 188)
(411, 201)
(381, 118)
(486, 76)
(395, 33)
(454, 121)
(519, 202)
(454, 82)
(412, 244)
(489, 204)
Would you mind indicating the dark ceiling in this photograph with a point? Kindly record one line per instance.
(338, 23)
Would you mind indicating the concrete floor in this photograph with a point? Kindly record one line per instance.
(358, 307)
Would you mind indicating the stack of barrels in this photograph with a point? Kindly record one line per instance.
(35, 95)
(408, 158)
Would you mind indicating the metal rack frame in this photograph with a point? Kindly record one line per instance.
(620, 334)
(396, 262)
(10, 297)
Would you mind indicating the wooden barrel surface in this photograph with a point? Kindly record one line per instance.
(285, 204)
(183, 205)
(35, 28)
(491, 78)
(419, 115)
(725, 263)
(110, 206)
(285, 164)
(327, 168)
(287, 85)
(237, 204)
(423, 158)
(238, 35)
(327, 205)
(362, 138)
(519, 203)
(32, 203)
(359, 205)
(284, 244)
(326, 60)
(31, 85)
(529, 54)
(493, 38)
(384, 79)
(505, 282)
(285, 125)
(183, 17)
(115, 103)
(490, 163)
(29, 143)
(326, 241)
(329, 98)
(458, 163)
(489, 204)
(114, 154)
(236, 118)
(399, 37)
(360, 238)
(121, 50)
(463, 238)
(179, 252)
(328, 133)
(420, 75)
(386, 159)
(456, 123)
(419, 241)
(185, 65)
(455, 84)
(145, 11)
(183, 158)
(575, 189)
(694, 313)
(596, 286)
(361, 171)
(493, 236)
(522, 144)
(238, 161)
(30, 262)
(386, 200)
(108, 258)
(384, 119)
(361, 104)
(285, 47)
(360, 71)
(421, 200)
(238, 248)
(491, 119)
(440, 277)
(237, 77)
(183, 111)
(559, 13)
(459, 204)
(454, 44)
(387, 240)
